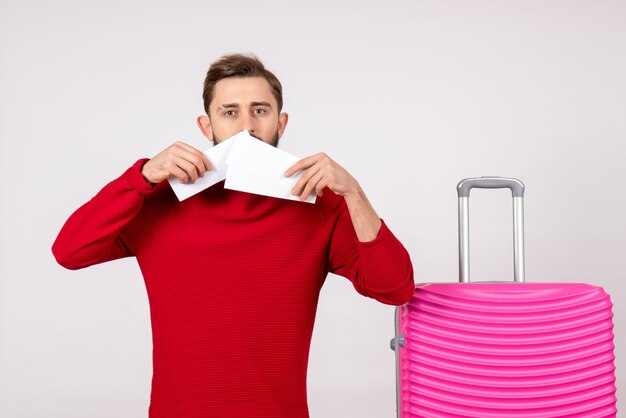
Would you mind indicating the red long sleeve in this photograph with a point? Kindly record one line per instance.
(233, 281)
(91, 234)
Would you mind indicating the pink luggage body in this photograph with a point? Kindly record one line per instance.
(504, 349)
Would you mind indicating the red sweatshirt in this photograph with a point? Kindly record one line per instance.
(233, 281)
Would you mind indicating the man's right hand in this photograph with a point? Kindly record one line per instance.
(179, 160)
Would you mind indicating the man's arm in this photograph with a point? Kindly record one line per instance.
(362, 248)
(320, 171)
(91, 235)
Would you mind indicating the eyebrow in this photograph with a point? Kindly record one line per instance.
(228, 106)
(266, 104)
(236, 105)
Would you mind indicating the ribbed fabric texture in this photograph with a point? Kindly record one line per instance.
(504, 350)
(233, 281)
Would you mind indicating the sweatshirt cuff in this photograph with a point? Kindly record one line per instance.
(388, 266)
(381, 237)
(137, 179)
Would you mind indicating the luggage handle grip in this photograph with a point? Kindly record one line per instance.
(517, 190)
(516, 186)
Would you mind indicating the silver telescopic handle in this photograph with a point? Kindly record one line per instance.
(517, 190)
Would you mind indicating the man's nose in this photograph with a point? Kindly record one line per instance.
(249, 124)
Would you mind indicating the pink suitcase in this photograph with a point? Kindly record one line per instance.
(504, 349)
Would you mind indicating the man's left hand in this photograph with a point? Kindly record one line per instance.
(321, 171)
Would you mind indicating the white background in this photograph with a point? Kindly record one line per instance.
(410, 96)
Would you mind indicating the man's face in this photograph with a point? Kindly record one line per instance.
(243, 103)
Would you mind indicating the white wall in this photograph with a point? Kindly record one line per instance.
(411, 96)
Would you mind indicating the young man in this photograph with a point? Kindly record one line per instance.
(233, 278)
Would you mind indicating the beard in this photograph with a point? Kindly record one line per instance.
(273, 142)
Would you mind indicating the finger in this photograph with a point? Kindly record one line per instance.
(179, 174)
(180, 168)
(188, 147)
(304, 179)
(319, 189)
(207, 162)
(189, 168)
(303, 164)
(315, 182)
(195, 157)
(189, 153)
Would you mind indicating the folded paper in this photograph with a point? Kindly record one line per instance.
(248, 165)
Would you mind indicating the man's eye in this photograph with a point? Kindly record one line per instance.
(229, 113)
(259, 111)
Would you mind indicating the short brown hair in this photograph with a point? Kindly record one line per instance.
(239, 65)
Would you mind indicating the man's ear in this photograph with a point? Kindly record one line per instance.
(204, 123)
(283, 118)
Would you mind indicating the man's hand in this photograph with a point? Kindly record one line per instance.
(179, 160)
(321, 171)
